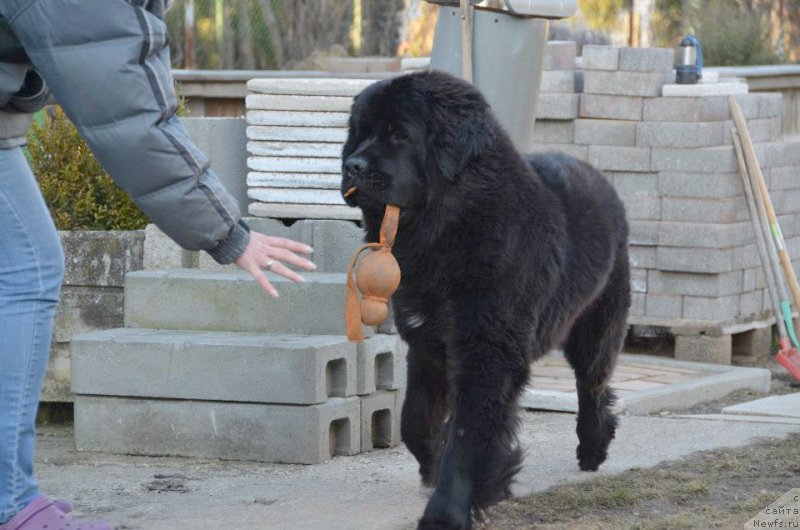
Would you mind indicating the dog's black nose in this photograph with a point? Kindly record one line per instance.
(355, 165)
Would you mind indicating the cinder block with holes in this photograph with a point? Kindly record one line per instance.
(381, 364)
(380, 420)
(214, 429)
(246, 367)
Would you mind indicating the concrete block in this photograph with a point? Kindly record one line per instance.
(625, 83)
(246, 367)
(689, 210)
(700, 185)
(702, 348)
(560, 55)
(598, 57)
(334, 243)
(210, 429)
(704, 235)
(160, 252)
(295, 165)
(557, 106)
(293, 149)
(753, 279)
(753, 345)
(704, 160)
(309, 86)
(770, 105)
(303, 211)
(558, 82)
(645, 257)
(663, 305)
(677, 134)
(285, 118)
(380, 420)
(101, 258)
(694, 259)
(634, 183)
(224, 140)
(785, 177)
(770, 154)
(703, 109)
(605, 132)
(381, 364)
(299, 195)
(643, 232)
(231, 301)
(791, 152)
(638, 280)
(56, 380)
(642, 207)
(637, 307)
(714, 309)
(299, 103)
(616, 158)
(276, 133)
(692, 284)
(610, 107)
(553, 132)
(85, 309)
(646, 59)
(671, 90)
(750, 303)
(760, 130)
(746, 257)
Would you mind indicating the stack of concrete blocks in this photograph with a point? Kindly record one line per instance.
(295, 135)
(695, 268)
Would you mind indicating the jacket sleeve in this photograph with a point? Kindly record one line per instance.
(107, 64)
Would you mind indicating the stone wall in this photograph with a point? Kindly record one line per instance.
(91, 295)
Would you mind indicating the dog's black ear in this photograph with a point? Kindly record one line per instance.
(460, 125)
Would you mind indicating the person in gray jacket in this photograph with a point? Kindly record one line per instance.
(106, 62)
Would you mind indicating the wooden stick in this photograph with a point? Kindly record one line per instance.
(752, 162)
(466, 40)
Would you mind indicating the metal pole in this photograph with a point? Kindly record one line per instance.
(188, 39)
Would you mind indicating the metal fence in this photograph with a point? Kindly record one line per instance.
(280, 34)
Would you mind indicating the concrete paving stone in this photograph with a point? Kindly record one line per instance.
(770, 105)
(770, 154)
(285, 118)
(553, 132)
(792, 151)
(677, 134)
(690, 210)
(714, 309)
(646, 59)
(704, 160)
(309, 86)
(753, 279)
(302, 196)
(750, 104)
(685, 283)
(557, 106)
(637, 385)
(663, 305)
(610, 107)
(682, 259)
(380, 420)
(638, 280)
(600, 57)
(303, 211)
(784, 177)
(704, 235)
(760, 130)
(750, 303)
(295, 165)
(619, 83)
(703, 109)
(669, 378)
(703, 89)
(643, 232)
(558, 82)
(645, 257)
(739, 418)
(700, 185)
(745, 257)
(634, 183)
(161, 252)
(214, 366)
(642, 207)
(381, 364)
(298, 103)
(187, 299)
(327, 181)
(787, 405)
(294, 149)
(616, 158)
(277, 133)
(637, 306)
(209, 429)
(560, 55)
(605, 132)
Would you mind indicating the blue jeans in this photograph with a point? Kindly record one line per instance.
(31, 270)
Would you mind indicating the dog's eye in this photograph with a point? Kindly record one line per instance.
(398, 136)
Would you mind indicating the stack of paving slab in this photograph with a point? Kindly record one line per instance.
(296, 129)
(208, 365)
(695, 266)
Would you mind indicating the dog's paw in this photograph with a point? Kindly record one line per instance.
(444, 514)
(442, 523)
(590, 458)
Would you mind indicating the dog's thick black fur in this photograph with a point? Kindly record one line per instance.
(502, 259)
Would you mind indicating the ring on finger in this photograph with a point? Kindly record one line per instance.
(269, 264)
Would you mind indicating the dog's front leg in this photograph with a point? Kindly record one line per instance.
(481, 455)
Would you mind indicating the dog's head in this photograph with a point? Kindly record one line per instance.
(410, 137)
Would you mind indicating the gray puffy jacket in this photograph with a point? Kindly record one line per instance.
(106, 62)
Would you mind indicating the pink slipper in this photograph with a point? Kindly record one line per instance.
(45, 514)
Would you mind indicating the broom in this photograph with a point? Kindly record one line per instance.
(763, 217)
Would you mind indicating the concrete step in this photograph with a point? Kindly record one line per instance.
(221, 366)
(211, 429)
(194, 299)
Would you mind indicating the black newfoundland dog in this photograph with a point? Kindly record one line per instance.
(503, 259)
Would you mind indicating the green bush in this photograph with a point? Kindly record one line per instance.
(78, 192)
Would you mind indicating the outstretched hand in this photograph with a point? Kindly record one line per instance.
(266, 252)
